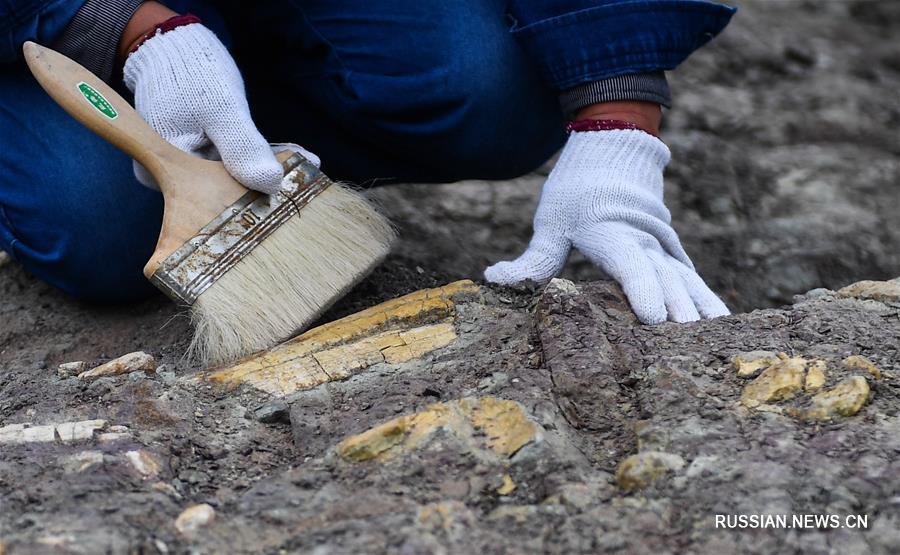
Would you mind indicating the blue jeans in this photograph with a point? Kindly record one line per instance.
(394, 91)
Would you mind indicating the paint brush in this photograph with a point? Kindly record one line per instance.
(253, 268)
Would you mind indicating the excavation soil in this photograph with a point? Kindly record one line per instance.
(785, 178)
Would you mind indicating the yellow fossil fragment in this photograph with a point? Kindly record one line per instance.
(508, 485)
(393, 332)
(751, 363)
(844, 399)
(641, 470)
(815, 376)
(781, 381)
(861, 362)
(501, 425)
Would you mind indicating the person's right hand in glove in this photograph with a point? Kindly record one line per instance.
(188, 88)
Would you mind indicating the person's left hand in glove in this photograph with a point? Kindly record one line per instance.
(605, 198)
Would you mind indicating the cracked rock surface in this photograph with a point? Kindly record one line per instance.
(551, 423)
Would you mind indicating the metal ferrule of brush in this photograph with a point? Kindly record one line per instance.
(223, 242)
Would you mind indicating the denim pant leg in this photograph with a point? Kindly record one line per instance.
(71, 211)
(574, 42)
(397, 91)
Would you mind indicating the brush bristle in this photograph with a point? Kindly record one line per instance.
(291, 278)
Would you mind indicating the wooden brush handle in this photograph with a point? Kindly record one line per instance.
(96, 105)
(195, 190)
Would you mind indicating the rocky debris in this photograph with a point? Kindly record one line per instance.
(783, 378)
(552, 422)
(69, 369)
(64, 431)
(194, 518)
(639, 471)
(844, 399)
(137, 361)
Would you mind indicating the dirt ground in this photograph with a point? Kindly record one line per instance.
(785, 178)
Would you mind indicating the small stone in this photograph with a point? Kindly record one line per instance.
(861, 362)
(639, 471)
(559, 286)
(276, 411)
(193, 518)
(75, 431)
(704, 464)
(518, 514)
(4, 260)
(69, 369)
(113, 436)
(167, 489)
(815, 376)
(494, 382)
(79, 462)
(752, 363)
(779, 382)
(508, 485)
(138, 361)
(844, 399)
(447, 516)
(884, 291)
(65, 431)
(144, 462)
(582, 495)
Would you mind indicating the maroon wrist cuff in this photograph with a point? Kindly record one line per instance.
(164, 27)
(602, 125)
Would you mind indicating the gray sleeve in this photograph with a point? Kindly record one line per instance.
(92, 37)
(649, 87)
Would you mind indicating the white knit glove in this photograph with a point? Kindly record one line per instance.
(188, 88)
(605, 198)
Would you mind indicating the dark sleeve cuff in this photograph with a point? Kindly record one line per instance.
(649, 87)
(92, 37)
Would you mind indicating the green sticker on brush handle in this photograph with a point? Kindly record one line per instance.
(97, 100)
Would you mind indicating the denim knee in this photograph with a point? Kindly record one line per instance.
(425, 91)
(91, 245)
(507, 122)
(71, 211)
(480, 113)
